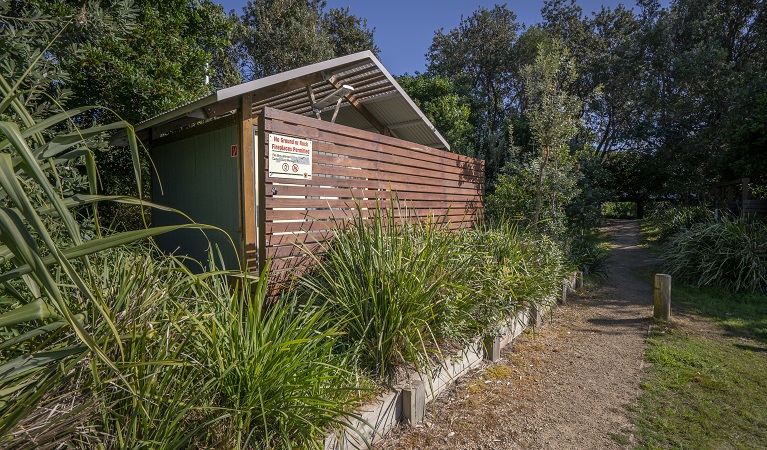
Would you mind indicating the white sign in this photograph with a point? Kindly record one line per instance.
(290, 157)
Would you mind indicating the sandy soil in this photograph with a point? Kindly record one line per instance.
(569, 385)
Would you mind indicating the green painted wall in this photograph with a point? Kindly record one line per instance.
(200, 178)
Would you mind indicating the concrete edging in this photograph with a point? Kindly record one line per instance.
(406, 403)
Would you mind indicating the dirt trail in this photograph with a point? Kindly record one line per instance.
(568, 386)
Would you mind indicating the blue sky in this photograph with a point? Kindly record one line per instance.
(404, 28)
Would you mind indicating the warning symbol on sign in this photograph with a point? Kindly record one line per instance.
(285, 167)
(295, 168)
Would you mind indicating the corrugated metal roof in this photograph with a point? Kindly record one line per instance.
(374, 89)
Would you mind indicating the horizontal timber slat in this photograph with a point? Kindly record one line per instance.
(350, 156)
(359, 194)
(366, 174)
(353, 173)
(416, 168)
(340, 213)
(397, 186)
(433, 203)
(281, 117)
(404, 151)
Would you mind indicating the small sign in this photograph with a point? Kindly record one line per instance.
(290, 157)
(234, 151)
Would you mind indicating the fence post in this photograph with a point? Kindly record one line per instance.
(662, 301)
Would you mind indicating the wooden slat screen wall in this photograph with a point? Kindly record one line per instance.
(353, 165)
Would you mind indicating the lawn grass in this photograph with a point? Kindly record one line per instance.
(706, 389)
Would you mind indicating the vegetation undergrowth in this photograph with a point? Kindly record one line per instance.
(667, 219)
(108, 344)
(730, 252)
(706, 390)
(403, 290)
(589, 251)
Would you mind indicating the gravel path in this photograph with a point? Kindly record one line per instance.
(567, 386)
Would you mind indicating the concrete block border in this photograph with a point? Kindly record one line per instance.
(406, 403)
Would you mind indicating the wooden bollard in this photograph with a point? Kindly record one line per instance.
(662, 301)
(414, 402)
(492, 348)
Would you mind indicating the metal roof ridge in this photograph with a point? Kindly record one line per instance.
(250, 86)
(341, 63)
(410, 102)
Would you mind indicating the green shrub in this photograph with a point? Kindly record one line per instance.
(274, 368)
(516, 266)
(105, 346)
(619, 210)
(730, 253)
(401, 290)
(667, 219)
(589, 255)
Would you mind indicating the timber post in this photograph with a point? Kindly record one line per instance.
(662, 300)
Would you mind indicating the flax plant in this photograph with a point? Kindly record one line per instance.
(276, 373)
(53, 317)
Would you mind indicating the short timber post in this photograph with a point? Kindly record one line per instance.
(414, 402)
(492, 347)
(662, 303)
(578, 279)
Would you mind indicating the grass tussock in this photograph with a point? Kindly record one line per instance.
(730, 253)
(668, 219)
(401, 290)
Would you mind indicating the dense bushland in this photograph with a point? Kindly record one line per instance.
(107, 343)
(667, 219)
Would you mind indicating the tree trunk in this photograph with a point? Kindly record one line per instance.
(539, 187)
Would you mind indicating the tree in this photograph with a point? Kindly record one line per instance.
(280, 35)
(609, 66)
(552, 112)
(137, 61)
(448, 110)
(704, 65)
(478, 57)
(348, 33)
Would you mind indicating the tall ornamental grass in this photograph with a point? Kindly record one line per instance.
(277, 376)
(402, 290)
(386, 281)
(730, 253)
(667, 219)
